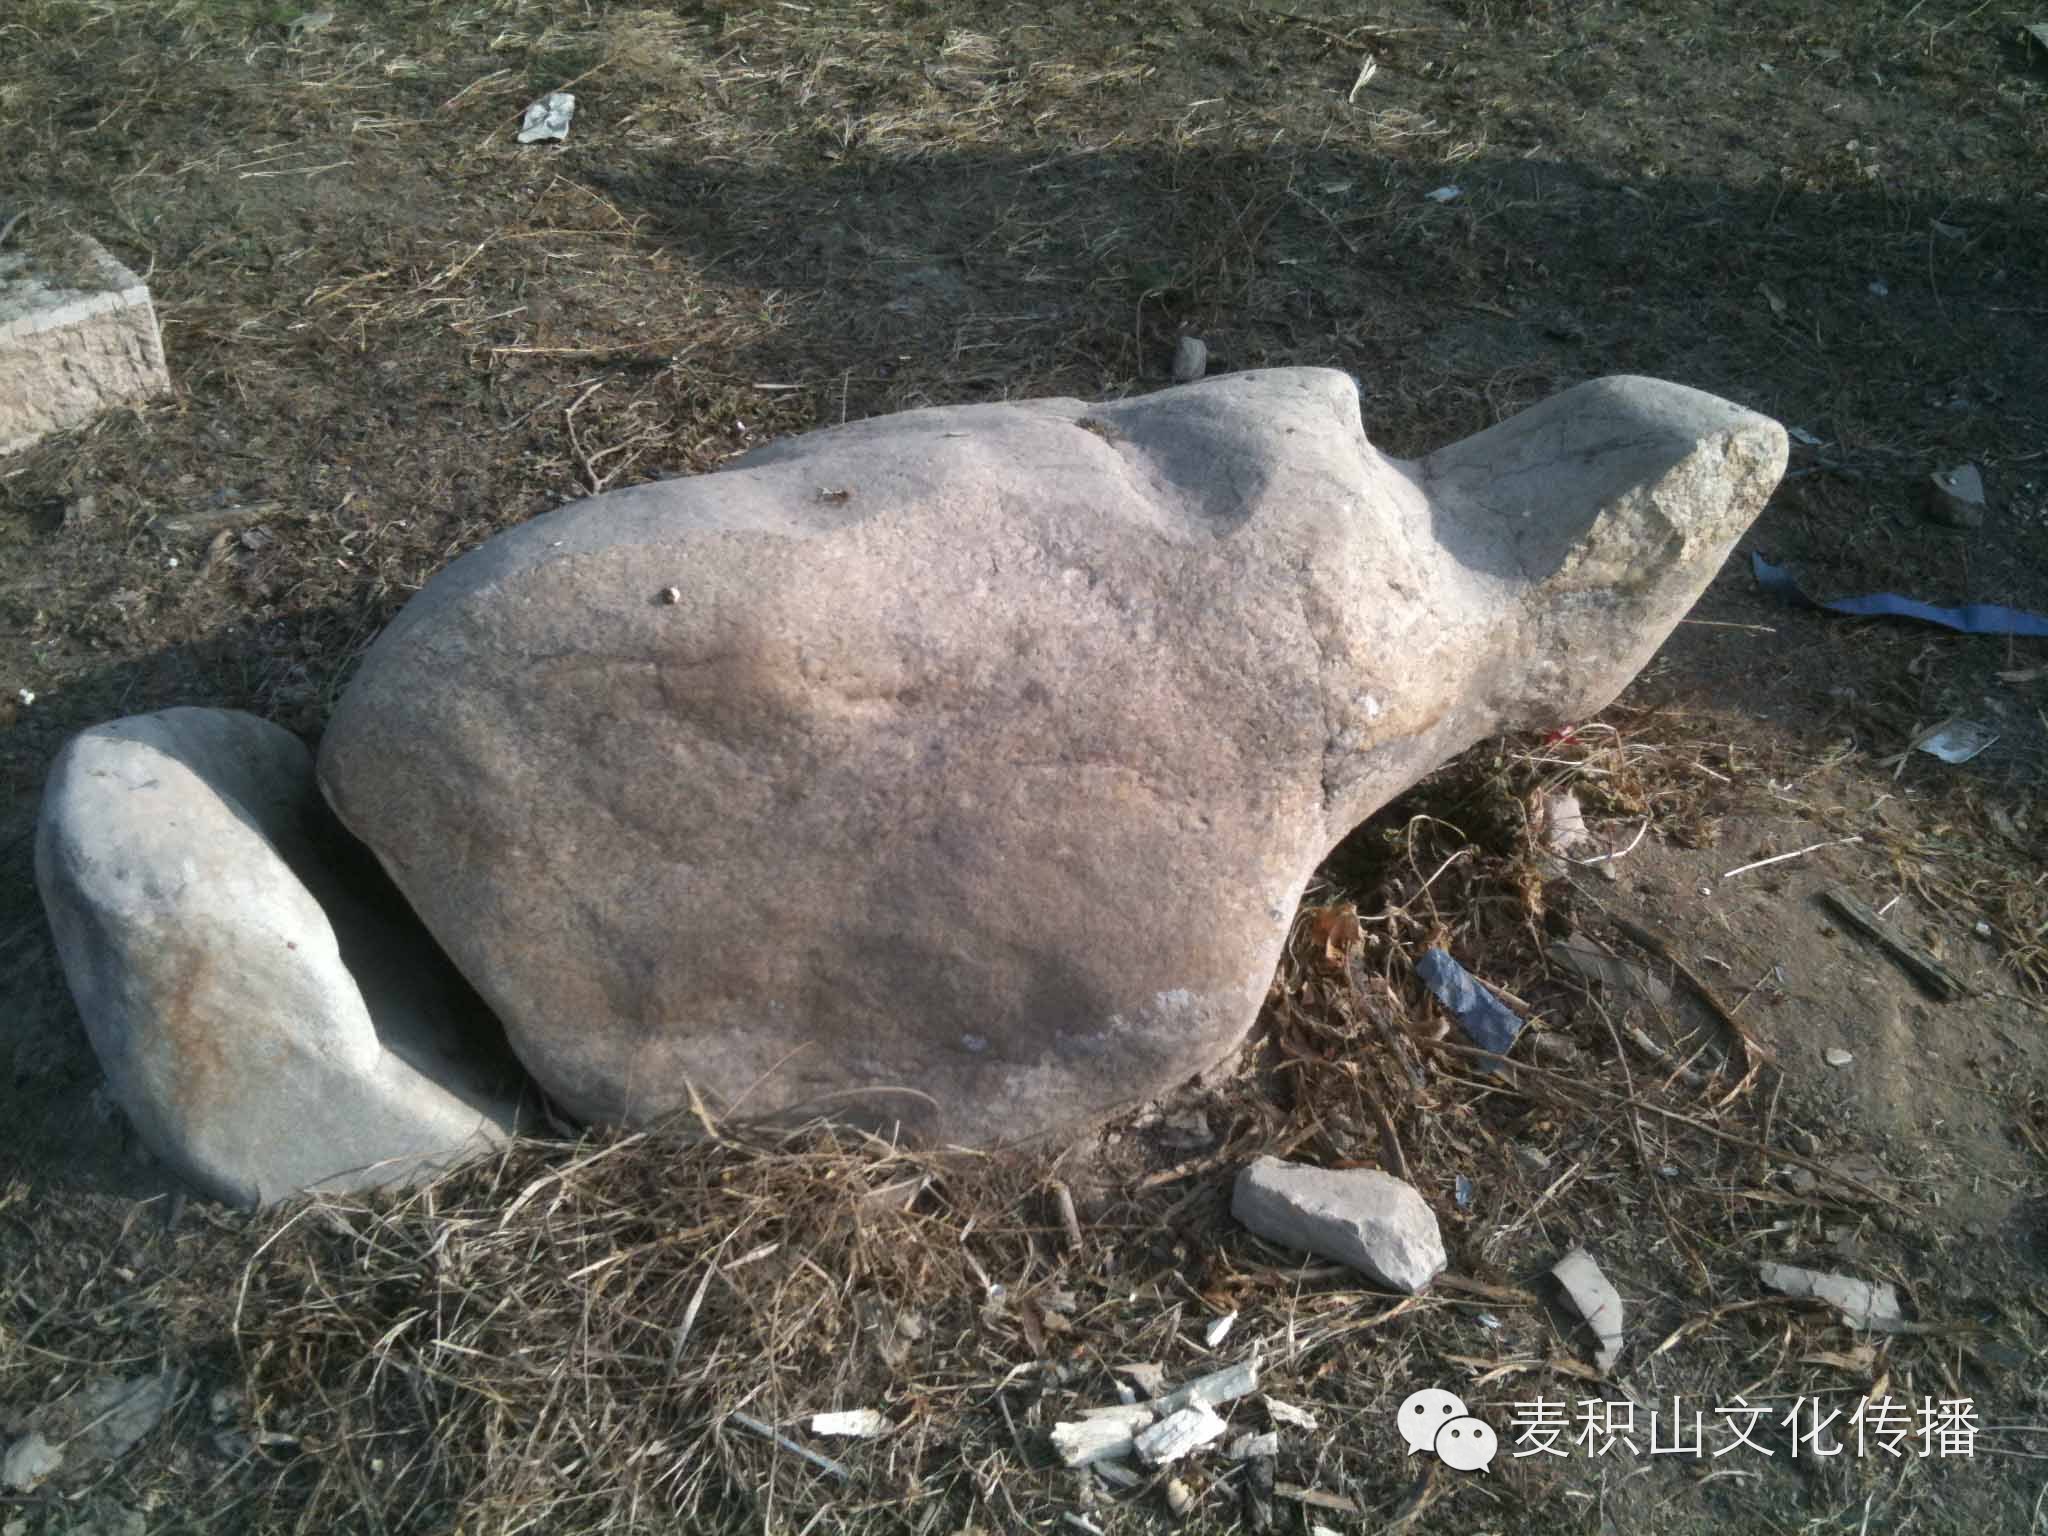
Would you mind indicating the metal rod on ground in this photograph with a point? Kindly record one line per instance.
(822, 1463)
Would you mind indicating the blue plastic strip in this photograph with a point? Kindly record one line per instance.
(1976, 619)
(1491, 1023)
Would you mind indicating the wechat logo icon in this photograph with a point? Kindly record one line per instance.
(1436, 1421)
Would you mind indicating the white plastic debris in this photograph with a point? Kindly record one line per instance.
(1862, 1303)
(1248, 1447)
(1101, 1434)
(1226, 1385)
(25, 697)
(1148, 1376)
(1801, 435)
(548, 119)
(1288, 1414)
(1178, 1434)
(1595, 1300)
(1564, 823)
(853, 1424)
(1219, 1329)
(1442, 194)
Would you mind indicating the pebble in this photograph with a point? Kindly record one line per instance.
(1554, 1051)
(1956, 496)
(1362, 1217)
(29, 1461)
(1179, 1498)
(1190, 359)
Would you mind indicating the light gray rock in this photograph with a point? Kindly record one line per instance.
(266, 1029)
(1178, 1434)
(30, 1460)
(1864, 1304)
(78, 336)
(1098, 1436)
(1595, 1299)
(1956, 496)
(1190, 359)
(1358, 1216)
(108, 1417)
(973, 774)
(1619, 977)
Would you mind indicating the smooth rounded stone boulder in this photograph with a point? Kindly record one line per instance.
(265, 1024)
(962, 769)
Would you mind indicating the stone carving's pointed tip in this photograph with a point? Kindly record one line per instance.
(1618, 461)
(1598, 517)
(1683, 407)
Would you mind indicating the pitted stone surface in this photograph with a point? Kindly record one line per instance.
(265, 1029)
(963, 768)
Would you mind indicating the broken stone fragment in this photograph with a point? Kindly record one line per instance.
(1863, 1304)
(29, 1462)
(1179, 1434)
(1101, 1433)
(1357, 1216)
(1595, 1299)
(1618, 976)
(1214, 1389)
(78, 336)
(1956, 496)
(978, 800)
(1245, 1447)
(267, 1029)
(100, 1421)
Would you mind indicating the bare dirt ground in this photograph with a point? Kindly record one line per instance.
(394, 331)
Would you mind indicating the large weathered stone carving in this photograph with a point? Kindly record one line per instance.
(963, 768)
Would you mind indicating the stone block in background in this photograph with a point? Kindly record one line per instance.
(78, 336)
